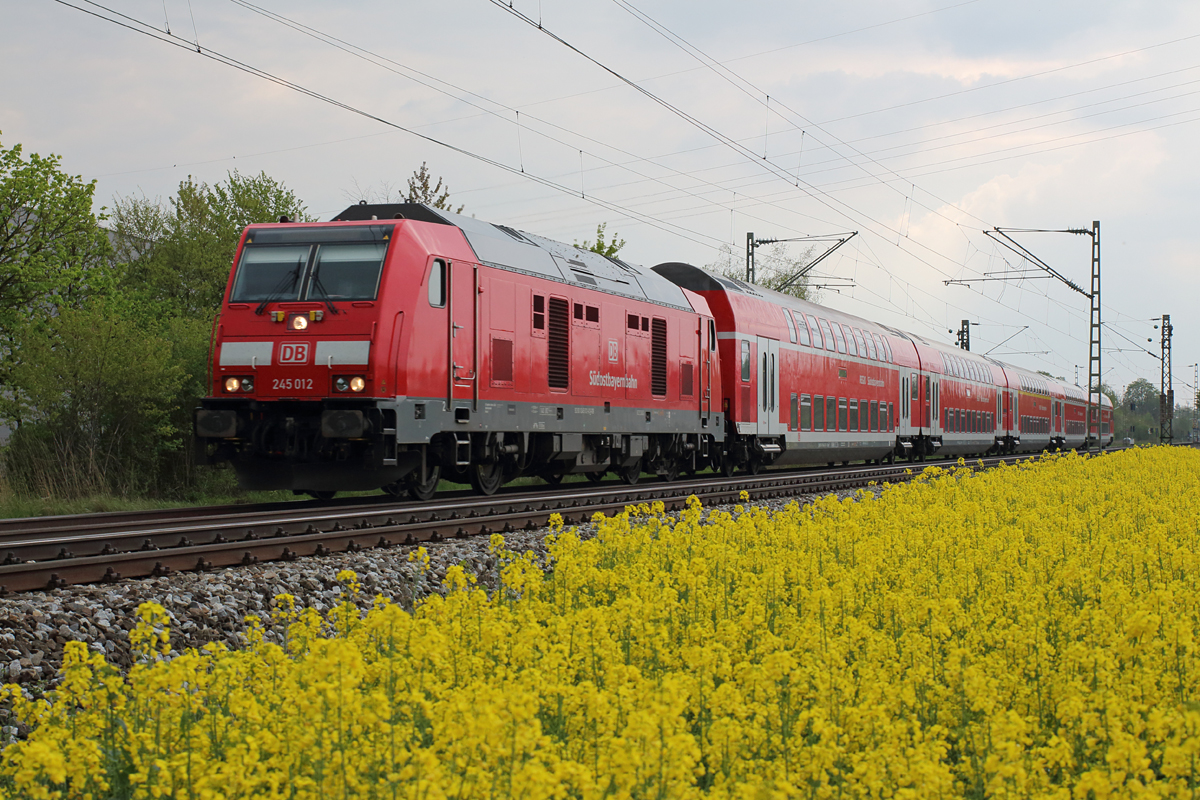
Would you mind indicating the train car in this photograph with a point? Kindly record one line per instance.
(803, 383)
(400, 344)
(806, 384)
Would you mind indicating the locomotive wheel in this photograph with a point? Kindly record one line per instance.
(631, 474)
(552, 478)
(486, 478)
(426, 490)
(595, 477)
(753, 466)
(728, 465)
(672, 472)
(315, 495)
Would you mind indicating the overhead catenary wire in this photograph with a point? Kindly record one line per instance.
(138, 26)
(549, 184)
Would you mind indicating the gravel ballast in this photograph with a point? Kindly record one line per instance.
(211, 607)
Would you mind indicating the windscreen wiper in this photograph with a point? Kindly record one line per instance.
(279, 289)
(316, 283)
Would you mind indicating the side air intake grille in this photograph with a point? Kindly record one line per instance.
(658, 357)
(559, 360)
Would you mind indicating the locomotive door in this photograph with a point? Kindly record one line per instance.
(769, 423)
(463, 316)
(706, 367)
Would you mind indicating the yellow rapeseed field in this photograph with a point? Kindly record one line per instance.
(1027, 632)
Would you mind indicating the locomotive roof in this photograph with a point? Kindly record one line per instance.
(517, 251)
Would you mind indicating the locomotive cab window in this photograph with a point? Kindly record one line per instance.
(269, 273)
(346, 271)
(437, 283)
(315, 264)
(712, 335)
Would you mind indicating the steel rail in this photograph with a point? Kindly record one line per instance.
(93, 550)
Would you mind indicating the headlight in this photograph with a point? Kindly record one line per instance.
(357, 384)
(233, 384)
(299, 322)
(341, 384)
(247, 384)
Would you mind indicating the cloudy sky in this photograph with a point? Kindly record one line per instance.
(684, 125)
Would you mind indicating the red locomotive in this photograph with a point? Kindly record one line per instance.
(399, 344)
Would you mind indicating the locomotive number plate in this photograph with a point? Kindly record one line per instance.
(290, 384)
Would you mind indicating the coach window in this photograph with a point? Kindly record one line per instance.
(862, 346)
(864, 415)
(830, 343)
(831, 413)
(794, 422)
(806, 412)
(437, 284)
(745, 361)
(841, 413)
(763, 380)
(850, 340)
(818, 413)
(903, 396)
(791, 325)
(870, 347)
(802, 328)
(887, 349)
(853, 414)
(837, 334)
(818, 342)
(891, 417)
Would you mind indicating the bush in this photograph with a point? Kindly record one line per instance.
(94, 407)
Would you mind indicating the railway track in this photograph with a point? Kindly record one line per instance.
(53, 552)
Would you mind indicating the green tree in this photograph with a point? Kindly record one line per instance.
(608, 248)
(775, 267)
(421, 189)
(53, 252)
(1142, 398)
(95, 393)
(177, 256)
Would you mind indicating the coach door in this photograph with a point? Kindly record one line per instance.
(768, 388)
(463, 316)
